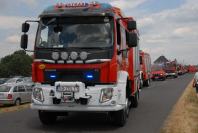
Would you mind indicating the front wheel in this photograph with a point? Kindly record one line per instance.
(120, 117)
(47, 118)
(135, 98)
(147, 83)
(17, 102)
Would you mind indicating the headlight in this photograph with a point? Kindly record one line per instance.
(64, 55)
(83, 55)
(74, 55)
(38, 94)
(55, 55)
(106, 94)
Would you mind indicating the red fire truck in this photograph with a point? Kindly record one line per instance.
(86, 58)
(145, 65)
(171, 69)
(181, 69)
(192, 69)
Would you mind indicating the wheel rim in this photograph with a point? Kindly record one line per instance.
(127, 107)
(17, 102)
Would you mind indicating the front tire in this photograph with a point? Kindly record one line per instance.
(47, 118)
(120, 117)
(147, 83)
(17, 102)
(135, 98)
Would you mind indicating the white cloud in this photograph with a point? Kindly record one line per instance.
(145, 21)
(172, 32)
(11, 22)
(127, 4)
(14, 39)
(30, 2)
(182, 31)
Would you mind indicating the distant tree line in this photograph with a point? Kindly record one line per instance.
(16, 64)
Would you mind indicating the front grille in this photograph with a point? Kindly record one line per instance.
(72, 75)
(156, 75)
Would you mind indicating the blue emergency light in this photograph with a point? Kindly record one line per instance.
(52, 76)
(89, 76)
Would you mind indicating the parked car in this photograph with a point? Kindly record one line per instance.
(14, 80)
(3, 80)
(28, 81)
(15, 94)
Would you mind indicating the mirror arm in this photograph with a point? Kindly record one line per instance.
(32, 51)
(32, 21)
(122, 50)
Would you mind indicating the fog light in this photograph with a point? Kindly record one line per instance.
(113, 102)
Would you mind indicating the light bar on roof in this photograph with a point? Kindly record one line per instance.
(75, 5)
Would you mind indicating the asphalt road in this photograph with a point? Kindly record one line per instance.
(154, 106)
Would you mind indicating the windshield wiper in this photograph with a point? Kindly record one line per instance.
(91, 48)
(102, 48)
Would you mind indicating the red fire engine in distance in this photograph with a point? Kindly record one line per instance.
(145, 65)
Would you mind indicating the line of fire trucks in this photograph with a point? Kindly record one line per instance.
(161, 71)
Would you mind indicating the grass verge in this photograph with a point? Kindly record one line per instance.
(5, 109)
(184, 116)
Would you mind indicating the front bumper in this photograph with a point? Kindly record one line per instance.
(156, 77)
(92, 93)
(170, 74)
(77, 108)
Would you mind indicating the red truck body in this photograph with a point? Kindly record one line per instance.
(85, 54)
(145, 65)
(181, 69)
(192, 69)
(171, 69)
(108, 70)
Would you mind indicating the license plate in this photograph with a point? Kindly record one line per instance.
(67, 97)
(156, 77)
(68, 89)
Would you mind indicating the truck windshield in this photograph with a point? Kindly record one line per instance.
(78, 32)
(157, 68)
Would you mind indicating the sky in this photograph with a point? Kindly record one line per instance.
(167, 27)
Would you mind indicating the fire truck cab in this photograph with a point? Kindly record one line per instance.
(171, 69)
(86, 58)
